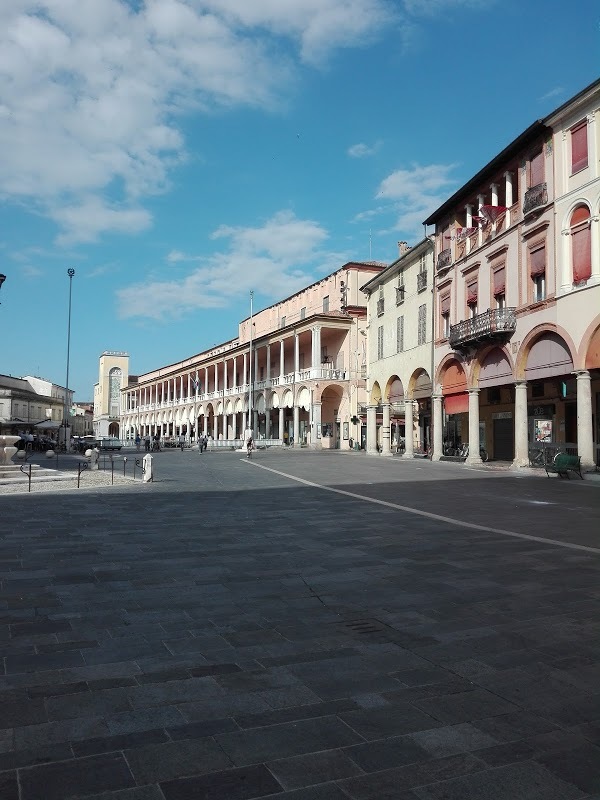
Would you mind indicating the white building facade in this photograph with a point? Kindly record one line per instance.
(400, 362)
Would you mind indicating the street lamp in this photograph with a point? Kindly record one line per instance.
(2, 279)
(70, 273)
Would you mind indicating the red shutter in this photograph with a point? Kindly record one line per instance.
(537, 261)
(499, 281)
(582, 254)
(579, 147)
(536, 169)
(456, 403)
(445, 304)
(472, 294)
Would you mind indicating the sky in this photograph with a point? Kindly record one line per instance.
(178, 154)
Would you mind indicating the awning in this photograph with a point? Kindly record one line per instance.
(456, 403)
(48, 425)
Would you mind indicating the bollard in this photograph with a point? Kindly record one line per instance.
(112, 470)
(26, 470)
(147, 468)
(124, 464)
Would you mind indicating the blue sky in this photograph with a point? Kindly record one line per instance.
(178, 154)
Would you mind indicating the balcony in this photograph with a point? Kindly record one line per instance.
(380, 307)
(493, 323)
(444, 259)
(421, 281)
(536, 197)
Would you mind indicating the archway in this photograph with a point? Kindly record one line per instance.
(548, 372)
(331, 399)
(394, 393)
(495, 378)
(456, 405)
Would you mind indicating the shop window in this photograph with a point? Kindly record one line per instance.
(494, 395)
(581, 245)
(537, 390)
(579, 147)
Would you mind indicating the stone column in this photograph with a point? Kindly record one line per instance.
(281, 363)
(267, 420)
(473, 458)
(296, 425)
(296, 356)
(372, 430)
(205, 380)
(255, 373)
(409, 439)
(205, 426)
(585, 435)
(255, 424)
(438, 428)
(268, 362)
(316, 423)
(386, 450)
(244, 425)
(480, 200)
(245, 373)
(316, 339)
(225, 386)
(216, 377)
(508, 193)
(521, 434)
(234, 426)
(281, 422)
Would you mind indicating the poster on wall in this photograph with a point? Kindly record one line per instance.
(542, 429)
(346, 430)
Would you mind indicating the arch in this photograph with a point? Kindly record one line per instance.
(394, 390)
(239, 405)
(375, 394)
(229, 407)
(545, 329)
(288, 399)
(592, 350)
(219, 409)
(494, 368)
(549, 356)
(303, 398)
(448, 360)
(274, 400)
(419, 385)
(453, 378)
(259, 403)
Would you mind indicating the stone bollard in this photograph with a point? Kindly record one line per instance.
(93, 456)
(147, 465)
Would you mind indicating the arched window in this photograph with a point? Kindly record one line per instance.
(581, 245)
(114, 391)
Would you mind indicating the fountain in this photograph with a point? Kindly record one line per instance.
(7, 450)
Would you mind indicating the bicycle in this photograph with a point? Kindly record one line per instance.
(464, 452)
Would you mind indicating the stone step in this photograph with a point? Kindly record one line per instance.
(11, 474)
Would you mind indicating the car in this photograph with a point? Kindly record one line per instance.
(109, 443)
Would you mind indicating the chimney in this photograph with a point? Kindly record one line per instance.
(403, 248)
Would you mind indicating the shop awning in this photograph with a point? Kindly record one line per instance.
(48, 425)
(456, 403)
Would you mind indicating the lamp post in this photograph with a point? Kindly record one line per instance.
(70, 273)
(2, 279)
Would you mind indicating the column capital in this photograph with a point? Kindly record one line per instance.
(521, 382)
(437, 396)
(473, 391)
(581, 373)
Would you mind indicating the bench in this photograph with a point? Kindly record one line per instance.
(563, 464)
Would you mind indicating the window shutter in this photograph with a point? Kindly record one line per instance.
(472, 294)
(579, 147)
(536, 169)
(400, 334)
(582, 254)
(445, 304)
(537, 261)
(499, 281)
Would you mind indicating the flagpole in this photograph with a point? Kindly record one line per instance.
(251, 376)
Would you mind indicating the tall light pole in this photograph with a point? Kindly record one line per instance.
(70, 273)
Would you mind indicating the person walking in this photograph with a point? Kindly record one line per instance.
(249, 447)
(138, 442)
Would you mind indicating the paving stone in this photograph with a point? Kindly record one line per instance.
(313, 768)
(465, 706)
(78, 777)
(144, 720)
(9, 788)
(43, 754)
(383, 754)
(580, 767)
(196, 730)
(162, 762)
(32, 736)
(108, 744)
(390, 721)
(139, 793)
(327, 791)
(527, 781)
(288, 739)
(236, 784)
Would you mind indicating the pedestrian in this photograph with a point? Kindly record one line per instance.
(204, 442)
(249, 447)
(138, 442)
(147, 443)
(181, 441)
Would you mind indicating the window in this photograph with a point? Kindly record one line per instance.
(326, 304)
(536, 169)
(445, 313)
(537, 390)
(400, 289)
(494, 395)
(499, 286)
(380, 342)
(537, 269)
(400, 334)
(472, 291)
(324, 356)
(282, 325)
(114, 391)
(303, 313)
(380, 303)
(581, 245)
(422, 332)
(579, 147)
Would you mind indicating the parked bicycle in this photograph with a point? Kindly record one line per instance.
(464, 452)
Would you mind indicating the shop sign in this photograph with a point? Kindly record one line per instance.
(502, 415)
(541, 411)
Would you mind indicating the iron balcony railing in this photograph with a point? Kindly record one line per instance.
(444, 258)
(536, 197)
(421, 281)
(493, 322)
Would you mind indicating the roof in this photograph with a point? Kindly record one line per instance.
(417, 249)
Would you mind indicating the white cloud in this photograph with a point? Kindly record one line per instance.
(29, 271)
(556, 92)
(433, 7)
(92, 90)
(279, 257)
(362, 150)
(412, 194)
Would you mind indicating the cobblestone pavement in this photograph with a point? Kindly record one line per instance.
(306, 626)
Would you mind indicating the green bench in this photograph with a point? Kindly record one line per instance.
(563, 464)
